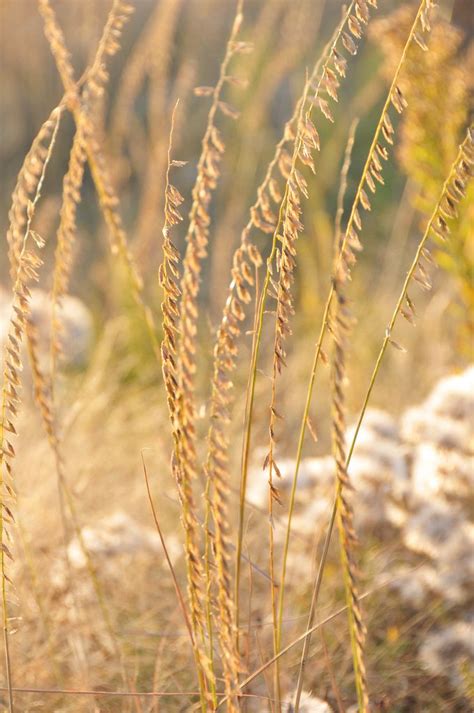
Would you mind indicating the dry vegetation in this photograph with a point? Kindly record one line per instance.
(203, 288)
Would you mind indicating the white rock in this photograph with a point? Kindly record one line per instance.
(448, 650)
(453, 396)
(414, 584)
(438, 472)
(433, 527)
(115, 535)
(308, 704)
(316, 472)
(421, 424)
(257, 488)
(314, 516)
(376, 422)
(75, 318)
(312, 473)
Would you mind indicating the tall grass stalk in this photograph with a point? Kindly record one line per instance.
(331, 58)
(338, 339)
(344, 248)
(96, 78)
(350, 242)
(169, 281)
(108, 200)
(451, 193)
(28, 263)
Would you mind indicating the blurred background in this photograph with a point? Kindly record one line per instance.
(169, 47)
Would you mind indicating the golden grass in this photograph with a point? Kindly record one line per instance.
(227, 655)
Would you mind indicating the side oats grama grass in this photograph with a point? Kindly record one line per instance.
(258, 627)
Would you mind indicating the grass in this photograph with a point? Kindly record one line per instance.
(257, 611)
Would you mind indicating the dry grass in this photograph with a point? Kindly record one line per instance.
(234, 601)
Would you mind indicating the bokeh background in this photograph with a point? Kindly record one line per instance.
(171, 47)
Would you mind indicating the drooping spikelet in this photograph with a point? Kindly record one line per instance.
(169, 281)
(341, 321)
(281, 288)
(28, 264)
(159, 67)
(339, 326)
(25, 189)
(197, 238)
(108, 200)
(371, 175)
(438, 228)
(64, 252)
(97, 78)
(380, 149)
(290, 226)
(246, 259)
(325, 80)
(435, 83)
